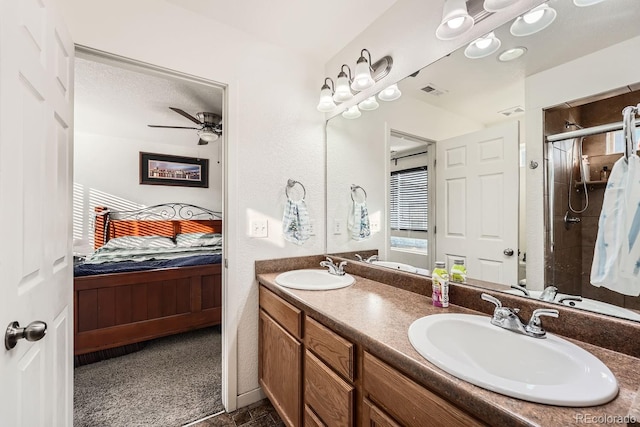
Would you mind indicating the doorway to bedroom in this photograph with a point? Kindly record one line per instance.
(147, 226)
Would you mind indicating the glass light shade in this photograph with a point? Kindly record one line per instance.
(455, 20)
(352, 113)
(343, 92)
(497, 5)
(326, 103)
(391, 93)
(584, 3)
(362, 79)
(208, 135)
(537, 19)
(482, 47)
(369, 104)
(511, 54)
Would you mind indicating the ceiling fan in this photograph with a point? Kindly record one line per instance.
(210, 125)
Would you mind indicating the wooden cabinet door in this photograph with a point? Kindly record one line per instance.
(330, 397)
(280, 367)
(372, 416)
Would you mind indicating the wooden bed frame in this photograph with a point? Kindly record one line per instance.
(112, 310)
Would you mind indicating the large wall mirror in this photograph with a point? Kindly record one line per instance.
(442, 172)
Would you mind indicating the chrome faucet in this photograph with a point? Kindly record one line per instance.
(337, 269)
(507, 318)
(369, 260)
(521, 289)
(549, 294)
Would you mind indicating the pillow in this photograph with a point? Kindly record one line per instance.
(194, 240)
(139, 242)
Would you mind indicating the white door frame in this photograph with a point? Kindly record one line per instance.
(229, 322)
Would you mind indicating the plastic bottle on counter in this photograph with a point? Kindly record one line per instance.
(458, 271)
(440, 285)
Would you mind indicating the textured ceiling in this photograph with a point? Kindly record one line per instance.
(480, 88)
(318, 29)
(119, 102)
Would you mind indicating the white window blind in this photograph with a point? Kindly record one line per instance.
(409, 199)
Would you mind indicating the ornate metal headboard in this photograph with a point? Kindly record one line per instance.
(167, 219)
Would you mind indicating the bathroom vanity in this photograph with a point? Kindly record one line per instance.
(342, 357)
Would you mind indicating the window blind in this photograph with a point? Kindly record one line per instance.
(409, 199)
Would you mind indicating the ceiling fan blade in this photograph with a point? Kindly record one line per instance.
(202, 142)
(187, 115)
(171, 127)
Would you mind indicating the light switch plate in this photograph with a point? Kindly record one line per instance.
(259, 228)
(338, 225)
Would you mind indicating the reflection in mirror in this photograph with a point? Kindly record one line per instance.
(467, 118)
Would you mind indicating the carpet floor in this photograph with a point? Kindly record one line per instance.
(171, 382)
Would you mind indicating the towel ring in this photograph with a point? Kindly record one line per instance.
(354, 188)
(290, 184)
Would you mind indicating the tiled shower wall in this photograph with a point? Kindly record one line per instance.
(568, 265)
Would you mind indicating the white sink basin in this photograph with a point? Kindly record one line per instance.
(313, 280)
(550, 370)
(588, 304)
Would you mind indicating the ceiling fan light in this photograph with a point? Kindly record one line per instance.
(391, 93)
(362, 79)
(483, 47)
(497, 5)
(369, 104)
(585, 3)
(455, 20)
(537, 19)
(352, 113)
(207, 134)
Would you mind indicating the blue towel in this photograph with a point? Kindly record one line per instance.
(358, 222)
(295, 222)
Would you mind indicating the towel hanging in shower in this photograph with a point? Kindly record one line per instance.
(295, 222)
(358, 222)
(616, 258)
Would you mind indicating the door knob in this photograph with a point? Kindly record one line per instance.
(508, 252)
(33, 332)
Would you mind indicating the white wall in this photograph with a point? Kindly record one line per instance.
(272, 134)
(107, 172)
(599, 72)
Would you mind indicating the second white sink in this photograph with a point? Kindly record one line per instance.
(313, 280)
(549, 370)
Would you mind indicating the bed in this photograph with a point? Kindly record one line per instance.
(155, 297)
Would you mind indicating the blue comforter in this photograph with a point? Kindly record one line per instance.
(129, 266)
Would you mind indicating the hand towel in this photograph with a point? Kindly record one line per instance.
(358, 222)
(295, 222)
(616, 259)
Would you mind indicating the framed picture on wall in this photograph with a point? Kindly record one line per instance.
(164, 169)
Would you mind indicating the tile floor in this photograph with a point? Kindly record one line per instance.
(259, 414)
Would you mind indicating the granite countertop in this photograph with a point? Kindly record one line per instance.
(378, 316)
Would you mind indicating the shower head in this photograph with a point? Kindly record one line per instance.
(568, 124)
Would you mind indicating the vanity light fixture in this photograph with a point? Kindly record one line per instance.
(537, 19)
(369, 104)
(363, 79)
(391, 93)
(455, 20)
(343, 91)
(497, 5)
(584, 3)
(482, 47)
(352, 113)
(326, 103)
(512, 54)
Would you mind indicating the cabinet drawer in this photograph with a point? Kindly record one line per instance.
(334, 350)
(373, 416)
(330, 397)
(408, 402)
(284, 313)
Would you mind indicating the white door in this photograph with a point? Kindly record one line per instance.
(477, 202)
(36, 115)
